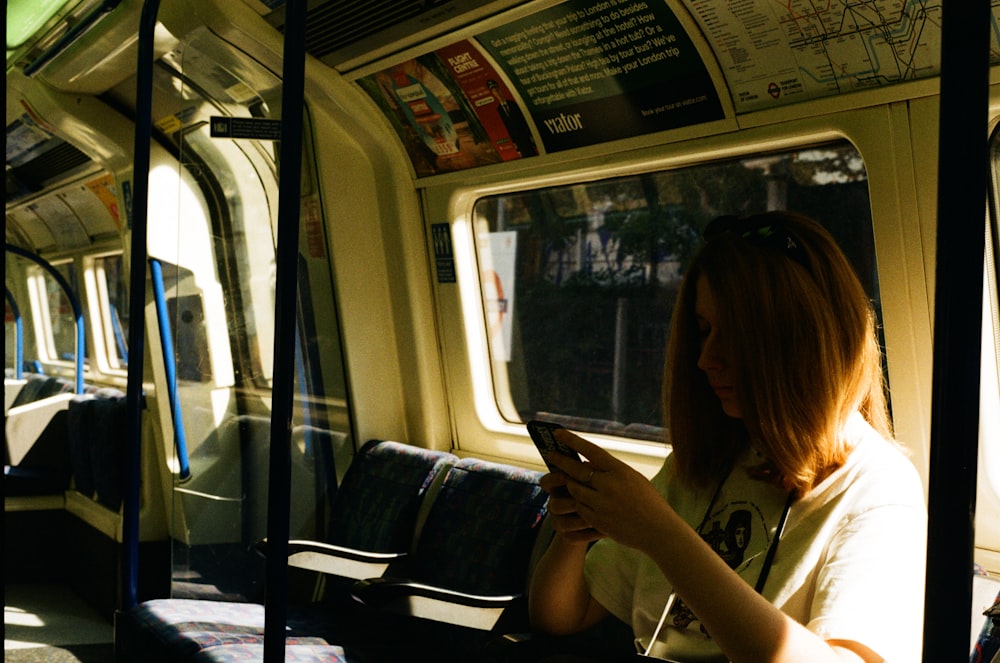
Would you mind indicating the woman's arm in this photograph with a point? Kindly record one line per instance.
(559, 601)
(619, 502)
(745, 625)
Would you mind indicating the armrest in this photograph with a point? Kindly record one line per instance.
(25, 423)
(11, 388)
(416, 599)
(335, 560)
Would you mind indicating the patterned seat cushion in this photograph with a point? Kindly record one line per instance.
(477, 538)
(186, 626)
(481, 529)
(300, 653)
(376, 506)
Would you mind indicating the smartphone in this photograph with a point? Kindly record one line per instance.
(541, 435)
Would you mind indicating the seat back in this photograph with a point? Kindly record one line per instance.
(378, 502)
(481, 529)
(79, 432)
(39, 387)
(107, 448)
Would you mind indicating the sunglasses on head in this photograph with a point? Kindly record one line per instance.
(760, 230)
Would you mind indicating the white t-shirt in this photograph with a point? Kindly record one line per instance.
(850, 564)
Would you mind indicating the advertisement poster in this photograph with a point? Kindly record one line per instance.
(431, 102)
(579, 73)
(493, 103)
(498, 290)
(591, 71)
(104, 188)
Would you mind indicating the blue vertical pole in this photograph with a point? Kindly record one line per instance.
(137, 303)
(19, 332)
(170, 368)
(289, 203)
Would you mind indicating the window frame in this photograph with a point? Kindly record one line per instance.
(478, 427)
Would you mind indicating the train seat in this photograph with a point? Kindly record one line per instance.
(11, 390)
(36, 458)
(37, 387)
(297, 653)
(167, 630)
(78, 438)
(95, 433)
(39, 430)
(461, 587)
(107, 449)
(37, 402)
(465, 574)
(377, 511)
(473, 555)
(374, 516)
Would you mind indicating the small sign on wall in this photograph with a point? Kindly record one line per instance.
(444, 253)
(255, 128)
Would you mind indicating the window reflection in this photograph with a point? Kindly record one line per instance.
(579, 281)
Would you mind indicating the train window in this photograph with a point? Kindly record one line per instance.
(578, 281)
(111, 286)
(55, 333)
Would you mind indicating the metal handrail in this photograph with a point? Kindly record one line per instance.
(19, 332)
(286, 285)
(137, 302)
(170, 367)
(963, 170)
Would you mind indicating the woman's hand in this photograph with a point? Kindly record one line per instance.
(563, 510)
(601, 497)
(609, 497)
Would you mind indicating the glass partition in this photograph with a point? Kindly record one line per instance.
(215, 240)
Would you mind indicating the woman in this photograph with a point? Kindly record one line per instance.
(784, 526)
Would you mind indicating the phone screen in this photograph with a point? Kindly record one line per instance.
(541, 433)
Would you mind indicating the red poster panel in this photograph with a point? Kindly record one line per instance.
(431, 115)
(452, 110)
(491, 100)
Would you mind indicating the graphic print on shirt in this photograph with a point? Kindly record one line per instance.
(739, 533)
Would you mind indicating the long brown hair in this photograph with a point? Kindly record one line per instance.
(801, 334)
